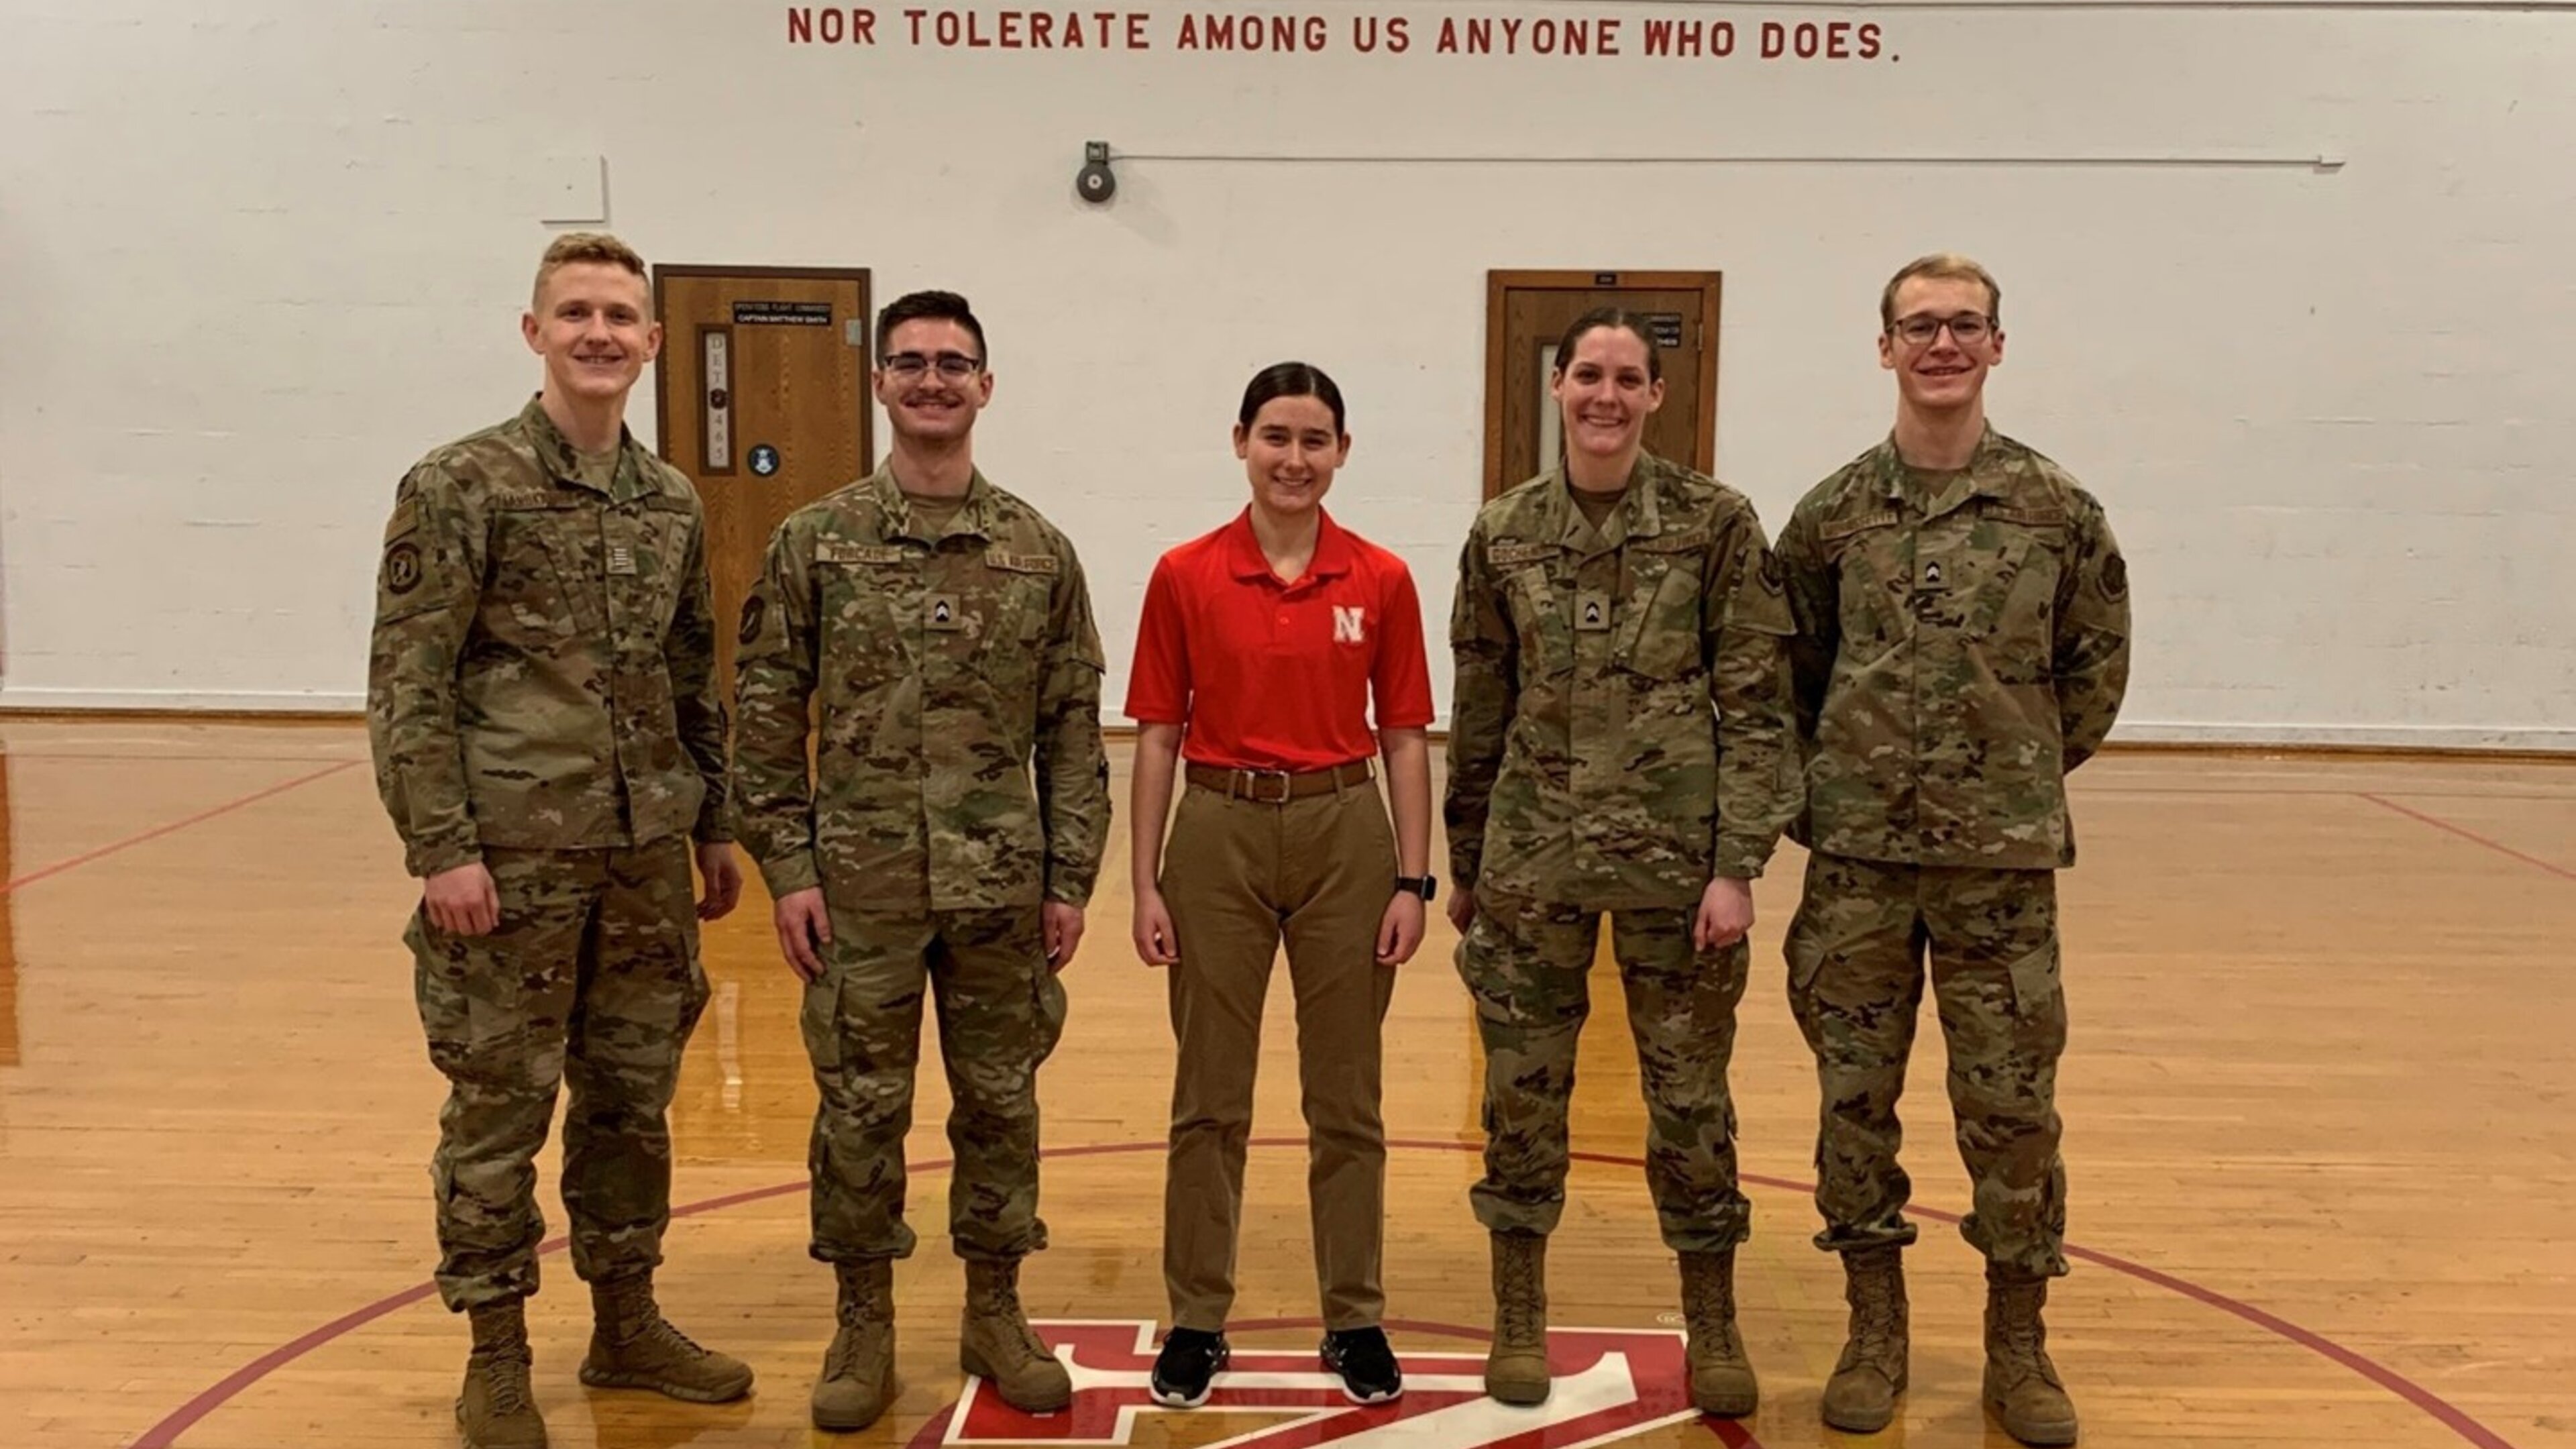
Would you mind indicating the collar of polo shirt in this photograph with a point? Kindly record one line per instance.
(1333, 556)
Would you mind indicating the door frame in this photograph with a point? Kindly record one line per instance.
(867, 318)
(1500, 283)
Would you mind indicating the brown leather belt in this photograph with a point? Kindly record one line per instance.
(1276, 787)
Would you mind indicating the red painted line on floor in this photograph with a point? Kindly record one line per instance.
(167, 1432)
(2472, 836)
(2405, 1388)
(200, 818)
(165, 1435)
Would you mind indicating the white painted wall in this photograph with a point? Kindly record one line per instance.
(255, 258)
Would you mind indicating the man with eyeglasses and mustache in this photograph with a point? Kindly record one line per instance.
(944, 848)
(1963, 645)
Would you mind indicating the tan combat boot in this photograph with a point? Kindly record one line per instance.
(1861, 1396)
(1721, 1377)
(996, 1344)
(632, 1346)
(858, 1369)
(2022, 1386)
(1516, 1368)
(496, 1410)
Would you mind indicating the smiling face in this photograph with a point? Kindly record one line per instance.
(1290, 452)
(592, 323)
(1938, 369)
(932, 380)
(1606, 391)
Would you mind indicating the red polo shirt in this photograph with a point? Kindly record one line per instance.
(1266, 675)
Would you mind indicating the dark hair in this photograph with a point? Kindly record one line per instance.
(1290, 379)
(930, 307)
(1612, 317)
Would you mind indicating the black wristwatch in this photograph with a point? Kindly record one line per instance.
(1425, 886)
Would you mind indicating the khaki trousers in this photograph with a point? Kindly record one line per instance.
(1240, 877)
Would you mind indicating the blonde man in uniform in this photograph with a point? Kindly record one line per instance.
(549, 742)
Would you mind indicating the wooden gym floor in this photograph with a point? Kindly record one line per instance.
(2321, 1106)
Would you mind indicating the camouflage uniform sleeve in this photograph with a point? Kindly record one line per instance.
(690, 653)
(1072, 766)
(1746, 645)
(774, 669)
(1484, 651)
(428, 584)
(2092, 645)
(1817, 612)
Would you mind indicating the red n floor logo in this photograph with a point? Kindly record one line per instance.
(1609, 1384)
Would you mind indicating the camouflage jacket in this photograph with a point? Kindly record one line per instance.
(1954, 662)
(542, 671)
(1619, 730)
(959, 763)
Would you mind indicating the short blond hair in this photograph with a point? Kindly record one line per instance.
(1949, 266)
(584, 246)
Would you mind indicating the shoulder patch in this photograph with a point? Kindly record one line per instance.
(754, 610)
(406, 517)
(2115, 578)
(402, 568)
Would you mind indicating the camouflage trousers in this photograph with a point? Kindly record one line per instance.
(1528, 964)
(1857, 950)
(1001, 1012)
(591, 981)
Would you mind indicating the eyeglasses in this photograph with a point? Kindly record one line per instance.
(1967, 329)
(950, 364)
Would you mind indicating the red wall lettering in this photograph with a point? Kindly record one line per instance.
(1500, 32)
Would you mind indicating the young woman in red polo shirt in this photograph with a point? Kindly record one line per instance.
(1262, 647)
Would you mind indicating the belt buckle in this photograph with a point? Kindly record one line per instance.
(1248, 776)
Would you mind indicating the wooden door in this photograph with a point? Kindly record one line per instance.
(763, 401)
(1527, 312)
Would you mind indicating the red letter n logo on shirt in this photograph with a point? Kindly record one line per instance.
(1346, 623)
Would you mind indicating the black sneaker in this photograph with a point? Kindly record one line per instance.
(1365, 1363)
(1186, 1369)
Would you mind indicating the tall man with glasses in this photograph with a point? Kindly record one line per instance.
(1963, 645)
(945, 846)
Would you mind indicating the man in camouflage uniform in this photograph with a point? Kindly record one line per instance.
(549, 739)
(1619, 748)
(1963, 644)
(949, 838)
